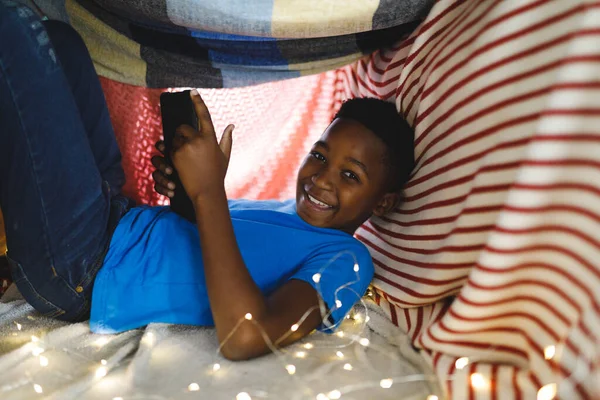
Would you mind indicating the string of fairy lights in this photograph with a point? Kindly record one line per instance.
(351, 334)
(355, 324)
(38, 349)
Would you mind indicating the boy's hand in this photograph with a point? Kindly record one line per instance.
(162, 183)
(199, 159)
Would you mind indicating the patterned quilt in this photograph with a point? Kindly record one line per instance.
(216, 44)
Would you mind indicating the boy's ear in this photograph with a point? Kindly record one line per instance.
(388, 202)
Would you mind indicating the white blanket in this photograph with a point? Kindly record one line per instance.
(45, 358)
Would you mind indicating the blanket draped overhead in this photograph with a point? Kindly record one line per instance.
(219, 44)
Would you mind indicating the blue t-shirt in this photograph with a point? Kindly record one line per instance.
(153, 271)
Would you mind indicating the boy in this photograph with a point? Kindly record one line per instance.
(259, 271)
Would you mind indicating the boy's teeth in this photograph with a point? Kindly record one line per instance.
(317, 202)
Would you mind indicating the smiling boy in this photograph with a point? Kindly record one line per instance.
(282, 258)
(259, 271)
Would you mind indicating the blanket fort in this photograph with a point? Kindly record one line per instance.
(490, 265)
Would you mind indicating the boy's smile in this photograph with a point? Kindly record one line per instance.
(344, 177)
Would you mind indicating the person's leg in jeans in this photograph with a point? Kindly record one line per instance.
(89, 98)
(55, 204)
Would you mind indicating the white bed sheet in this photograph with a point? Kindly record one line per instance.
(170, 362)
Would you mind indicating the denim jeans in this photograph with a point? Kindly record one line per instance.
(60, 166)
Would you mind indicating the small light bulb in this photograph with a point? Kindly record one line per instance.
(193, 387)
(340, 334)
(101, 372)
(339, 354)
(101, 341)
(356, 268)
(547, 392)
(348, 367)
(248, 316)
(294, 327)
(308, 346)
(367, 319)
(18, 326)
(216, 367)
(37, 351)
(316, 277)
(43, 361)
(148, 339)
(291, 369)
(357, 317)
(549, 352)
(432, 397)
(322, 396)
(386, 383)
(478, 381)
(300, 354)
(364, 341)
(35, 339)
(103, 362)
(243, 396)
(37, 388)
(338, 303)
(334, 394)
(461, 362)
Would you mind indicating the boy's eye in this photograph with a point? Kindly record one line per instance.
(351, 175)
(318, 156)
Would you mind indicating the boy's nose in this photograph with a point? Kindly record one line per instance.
(322, 180)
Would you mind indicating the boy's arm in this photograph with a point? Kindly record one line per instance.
(201, 163)
(233, 293)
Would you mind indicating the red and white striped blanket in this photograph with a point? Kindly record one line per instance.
(492, 263)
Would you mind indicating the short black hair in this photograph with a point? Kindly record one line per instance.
(382, 118)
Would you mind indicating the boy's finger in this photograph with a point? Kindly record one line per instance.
(162, 180)
(163, 191)
(204, 120)
(160, 164)
(160, 146)
(227, 141)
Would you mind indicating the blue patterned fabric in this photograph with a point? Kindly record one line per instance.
(228, 43)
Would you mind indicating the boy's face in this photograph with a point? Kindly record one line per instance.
(343, 180)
